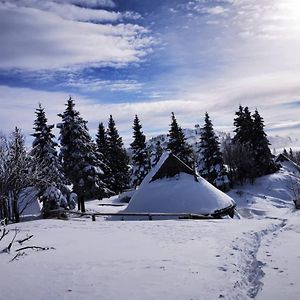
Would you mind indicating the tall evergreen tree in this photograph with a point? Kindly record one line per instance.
(210, 161)
(243, 148)
(101, 139)
(263, 159)
(140, 155)
(102, 146)
(52, 184)
(177, 143)
(117, 159)
(255, 158)
(243, 126)
(80, 161)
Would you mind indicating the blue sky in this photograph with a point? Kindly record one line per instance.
(150, 58)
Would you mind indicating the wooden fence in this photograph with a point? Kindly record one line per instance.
(149, 216)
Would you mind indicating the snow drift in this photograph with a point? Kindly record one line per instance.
(172, 187)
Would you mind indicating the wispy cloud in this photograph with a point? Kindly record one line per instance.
(91, 3)
(47, 35)
(213, 56)
(92, 84)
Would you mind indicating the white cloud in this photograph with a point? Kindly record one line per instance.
(34, 39)
(91, 84)
(68, 11)
(257, 64)
(83, 3)
(91, 3)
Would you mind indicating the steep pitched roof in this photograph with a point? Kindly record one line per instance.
(173, 187)
(282, 159)
(172, 166)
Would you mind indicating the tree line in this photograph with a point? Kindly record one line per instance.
(78, 168)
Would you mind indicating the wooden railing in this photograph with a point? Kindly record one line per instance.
(149, 216)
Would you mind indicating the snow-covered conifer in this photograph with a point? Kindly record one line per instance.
(80, 161)
(264, 163)
(117, 159)
(177, 143)
(51, 175)
(102, 151)
(210, 161)
(140, 155)
(243, 126)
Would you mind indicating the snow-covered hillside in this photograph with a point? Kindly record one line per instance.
(256, 256)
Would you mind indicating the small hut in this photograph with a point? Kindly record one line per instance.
(287, 162)
(173, 187)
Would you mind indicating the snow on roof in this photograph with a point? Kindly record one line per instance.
(287, 163)
(180, 193)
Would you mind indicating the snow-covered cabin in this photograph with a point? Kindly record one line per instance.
(173, 187)
(287, 162)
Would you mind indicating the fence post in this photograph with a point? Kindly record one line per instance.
(93, 217)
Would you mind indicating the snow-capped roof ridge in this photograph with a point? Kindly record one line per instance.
(177, 189)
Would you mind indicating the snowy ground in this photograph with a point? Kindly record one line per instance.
(255, 257)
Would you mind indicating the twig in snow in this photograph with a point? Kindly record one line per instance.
(24, 240)
(7, 249)
(35, 247)
(4, 233)
(18, 255)
(12, 241)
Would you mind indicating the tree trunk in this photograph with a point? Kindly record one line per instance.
(82, 204)
(16, 213)
(78, 202)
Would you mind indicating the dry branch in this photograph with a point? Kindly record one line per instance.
(4, 233)
(35, 247)
(18, 255)
(24, 240)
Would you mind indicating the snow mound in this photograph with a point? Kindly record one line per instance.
(271, 195)
(181, 193)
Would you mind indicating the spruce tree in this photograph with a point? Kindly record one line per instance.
(140, 155)
(117, 159)
(243, 126)
(52, 184)
(177, 143)
(254, 156)
(263, 159)
(242, 141)
(101, 140)
(210, 160)
(80, 161)
(102, 147)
